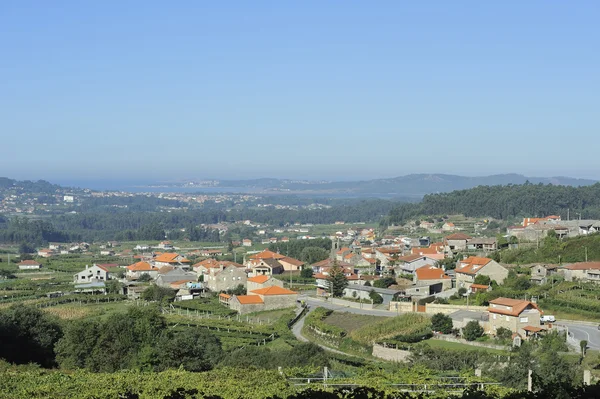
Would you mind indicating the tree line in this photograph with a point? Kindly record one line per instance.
(505, 202)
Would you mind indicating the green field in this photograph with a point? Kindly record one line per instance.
(350, 321)
(439, 343)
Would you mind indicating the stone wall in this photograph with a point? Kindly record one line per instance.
(390, 354)
(401, 307)
(433, 308)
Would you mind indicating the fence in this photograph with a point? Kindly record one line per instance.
(194, 313)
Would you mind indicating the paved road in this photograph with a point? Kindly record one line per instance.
(297, 331)
(582, 331)
(579, 330)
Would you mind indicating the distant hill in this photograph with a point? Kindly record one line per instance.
(506, 201)
(415, 185)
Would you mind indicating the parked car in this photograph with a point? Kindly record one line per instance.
(547, 319)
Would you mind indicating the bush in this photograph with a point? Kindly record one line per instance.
(472, 331)
(307, 272)
(503, 333)
(375, 297)
(384, 282)
(159, 294)
(462, 291)
(28, 336)
(442, 323)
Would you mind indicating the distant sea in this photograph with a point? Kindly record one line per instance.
(152, 187)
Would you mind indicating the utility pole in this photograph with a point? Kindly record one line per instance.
(586, 258)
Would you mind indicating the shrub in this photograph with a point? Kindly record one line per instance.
(442, 323)
(375, 297)
(472, 331)
(503, 333)
(462, 291)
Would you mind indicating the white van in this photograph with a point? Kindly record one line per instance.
(547, 319)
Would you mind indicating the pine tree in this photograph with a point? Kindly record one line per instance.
(337, 280)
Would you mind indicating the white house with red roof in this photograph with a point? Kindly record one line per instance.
(29, 265)
(140, 268)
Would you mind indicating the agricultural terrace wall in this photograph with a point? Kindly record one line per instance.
(348, 304)
(432, 308)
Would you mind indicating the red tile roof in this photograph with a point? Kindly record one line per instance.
(584, 266)
(273, 290)
(168, 257)
(141, 267)
(29, 263)
(430, 273)
(266, 254)
(472, 265)
(249, 299)
(292, 261)
(480, 286)
(458, 236)
(517, 306)
(259, 279)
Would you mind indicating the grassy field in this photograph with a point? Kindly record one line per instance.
(349, 321)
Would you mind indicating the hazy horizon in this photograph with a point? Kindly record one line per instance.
(312, 90)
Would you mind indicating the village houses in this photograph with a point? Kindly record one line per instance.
(468, 269)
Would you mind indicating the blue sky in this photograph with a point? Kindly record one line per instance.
(313, 89)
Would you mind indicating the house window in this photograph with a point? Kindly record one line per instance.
(507, 318)
(524, 320)
(495, 316)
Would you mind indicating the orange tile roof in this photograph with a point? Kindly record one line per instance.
(423, 251)
(34, 263)
(292, 261)
(179, 282)
(410, 258)
(480, 286)
(458, 236)
(430, 273)
(517, 306)
(249, 299)
(266, 254)
(223, 295)
(389, 250)
(141, 267)
(349, 256)
(584, 266)
(273, 290)
(341, 251)
(370, 260)
(259, 279)
(472, 265)
(532, 329)
(168, 257)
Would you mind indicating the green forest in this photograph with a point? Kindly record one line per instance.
(505, 202)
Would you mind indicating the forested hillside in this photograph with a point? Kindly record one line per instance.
(503, 202)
